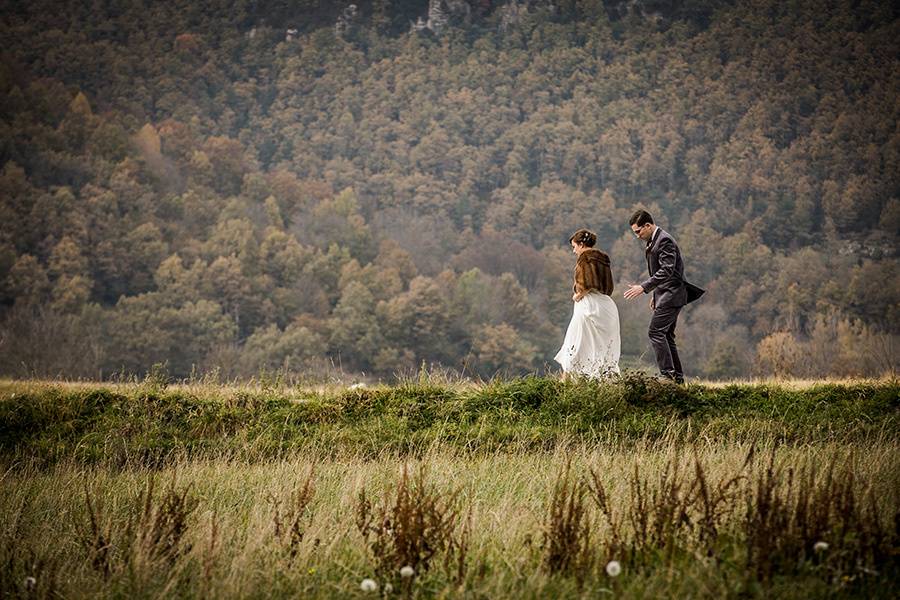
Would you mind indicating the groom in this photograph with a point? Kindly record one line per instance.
(670, 292)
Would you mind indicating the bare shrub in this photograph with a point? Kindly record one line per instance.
(291, 518)
(612, 542)
(789, 511)
(154, 531)
(715, 503)
(209, 556)
(778, 515)
(160, 526)
(412, 527)
(840, 345)
(659, 514)
(567, 530)
(97, 538)
(834, 344)
(779, 353)
(456, 559)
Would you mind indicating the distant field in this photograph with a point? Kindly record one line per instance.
(525, 488)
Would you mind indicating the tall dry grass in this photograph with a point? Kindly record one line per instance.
(683, 522)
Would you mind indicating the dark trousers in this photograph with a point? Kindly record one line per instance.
(662, 338)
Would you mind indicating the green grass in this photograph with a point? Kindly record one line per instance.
(43, 423)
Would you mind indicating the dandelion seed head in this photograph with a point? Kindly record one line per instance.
(368, 585)
(388, 588)
(820, 546)
(407, 571)
(613, 568)
(30, 583)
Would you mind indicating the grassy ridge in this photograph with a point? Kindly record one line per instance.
(150, 424)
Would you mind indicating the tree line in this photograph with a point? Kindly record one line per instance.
(186, 183)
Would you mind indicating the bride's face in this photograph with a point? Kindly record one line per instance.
(577, 248)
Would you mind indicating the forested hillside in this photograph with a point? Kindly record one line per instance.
(261, 184)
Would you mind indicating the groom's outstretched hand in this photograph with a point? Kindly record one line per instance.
(633, 291)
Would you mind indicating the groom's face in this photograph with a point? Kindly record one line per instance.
(643, 231)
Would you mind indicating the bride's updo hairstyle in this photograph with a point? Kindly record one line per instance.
(583, 236)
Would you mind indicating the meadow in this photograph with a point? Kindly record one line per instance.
(528, 488)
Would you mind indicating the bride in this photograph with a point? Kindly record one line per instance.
(592, 345)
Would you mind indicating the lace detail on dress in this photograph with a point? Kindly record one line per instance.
(597, 367)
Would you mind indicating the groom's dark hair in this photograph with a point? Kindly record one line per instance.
(640, 218)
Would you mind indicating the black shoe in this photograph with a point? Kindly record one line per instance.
(679, 380)
(665, 377)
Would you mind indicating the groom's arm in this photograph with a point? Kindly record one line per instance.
(666, 268)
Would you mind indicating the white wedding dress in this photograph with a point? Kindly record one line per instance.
(593, 344)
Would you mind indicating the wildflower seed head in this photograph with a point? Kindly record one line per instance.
(30, 583)
(820, 546)
(613, 568)
(407, 571)
(388, 588)
(368, 585)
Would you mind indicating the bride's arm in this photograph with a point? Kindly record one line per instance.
(579, 287)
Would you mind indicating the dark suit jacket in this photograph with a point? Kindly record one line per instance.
(667, 274)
